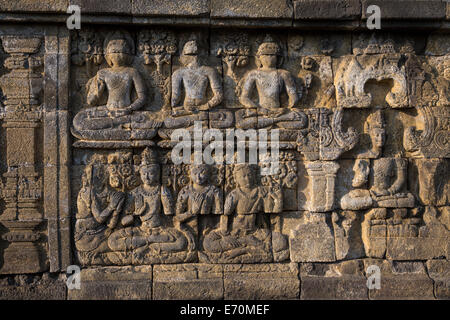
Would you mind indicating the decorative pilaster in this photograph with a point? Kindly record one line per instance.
(22, 190)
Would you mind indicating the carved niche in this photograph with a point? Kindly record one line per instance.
(379, 60)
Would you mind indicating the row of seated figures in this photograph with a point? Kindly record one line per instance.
(121, 118)
(147, 225)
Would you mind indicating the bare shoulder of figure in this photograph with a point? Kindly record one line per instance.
(284, 73)
(133, 71)
(209, 70)
(252, 74)
(102, 72)
(178, 71)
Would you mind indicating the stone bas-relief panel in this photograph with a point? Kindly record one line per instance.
(362, 171)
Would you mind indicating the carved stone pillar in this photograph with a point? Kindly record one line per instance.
(323, 176)
(22, 190)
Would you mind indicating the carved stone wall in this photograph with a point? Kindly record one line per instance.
(88, 179)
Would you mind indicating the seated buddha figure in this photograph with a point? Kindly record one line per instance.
(243, 235)
(270, 83)
(389, 183)
(124, 91)
(189, 89)
(151, 237)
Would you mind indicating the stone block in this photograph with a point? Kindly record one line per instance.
(313, 240)
(343, 280)
(347, 234)
(34, 6)
(401, 280)
(251, 9)
(188, 282)
(114, 283)
(170, 8)
(407, 9)
(261, 282)
(33, 287)
(439, 271)
(103, 6)
(327, 9)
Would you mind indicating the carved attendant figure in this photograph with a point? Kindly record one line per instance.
(150, 202)
(270, 82)
(374, 126)
(99, 207)
(244, 238)
(199, 197)
(358, 198)
(389, 174)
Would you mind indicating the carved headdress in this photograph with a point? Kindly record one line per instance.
(149, 157)
(269, 47)
(190, 48)
(375, 120)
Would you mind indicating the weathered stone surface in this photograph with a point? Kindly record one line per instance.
(356, 125)
(347, 234)
(33, 287)
(401, 280)
(327, 9)
(278, 9)
(170, 8)
(407, 9)
(448, 11)
(438, 44)
(343, 280)
(34, 6)
(114, 283)
(439, 271)
(265, 281)
(313, 239)
(103, 6)
(188, 281)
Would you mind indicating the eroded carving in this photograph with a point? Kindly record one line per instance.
(119, 223)
(324, 138)
(243, 234)
(193, 79)
(118, 119)
(270, 82)
(379, 61)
